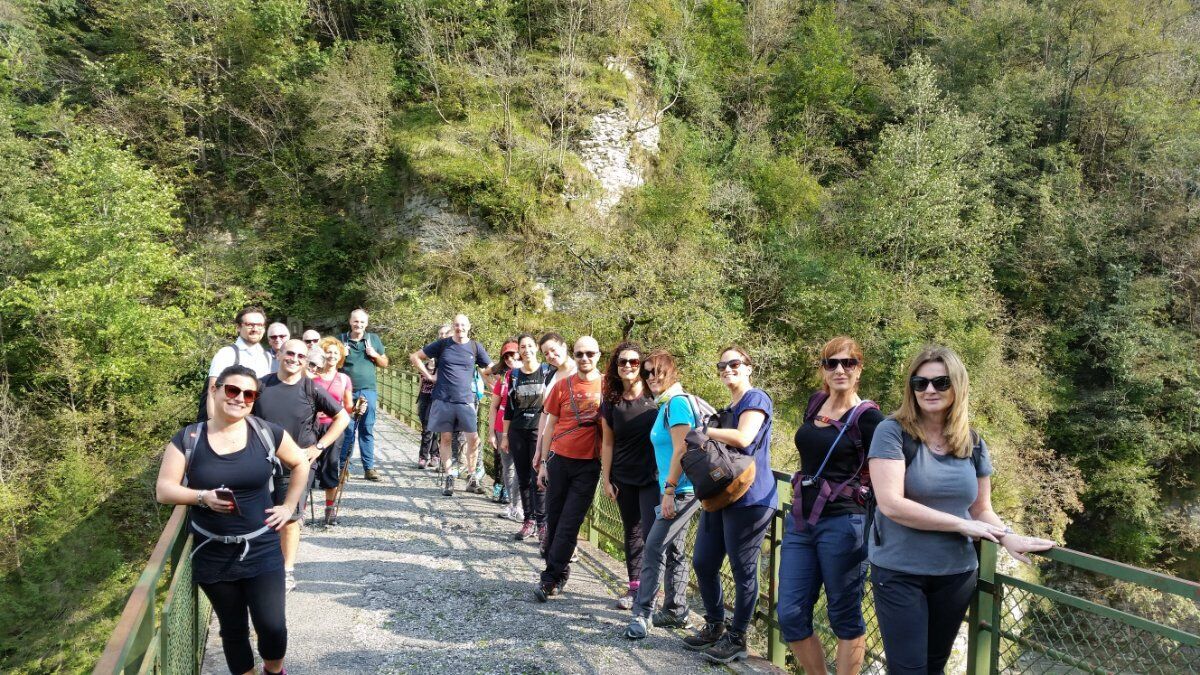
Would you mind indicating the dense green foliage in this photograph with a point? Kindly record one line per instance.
(1015, 179)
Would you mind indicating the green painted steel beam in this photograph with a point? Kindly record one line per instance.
(1116, 570)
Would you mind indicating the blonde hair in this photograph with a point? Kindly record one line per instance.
(958, 428)
(342, 351)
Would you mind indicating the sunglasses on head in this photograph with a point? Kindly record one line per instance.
(846, 364)
(588, 355)
(232, 391)
(632, 363)
(922, 383)
(731, 363)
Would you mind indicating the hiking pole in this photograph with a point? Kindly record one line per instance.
(341, 489)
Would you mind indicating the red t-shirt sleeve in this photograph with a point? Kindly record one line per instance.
(554, 399)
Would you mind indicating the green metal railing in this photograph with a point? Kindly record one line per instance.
(1014, 625)
(165, 623)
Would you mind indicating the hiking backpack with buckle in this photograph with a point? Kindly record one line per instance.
(191, 437)
(720, 475)
(828, 491)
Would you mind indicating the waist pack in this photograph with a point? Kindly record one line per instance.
(856, 487)
(720, 475)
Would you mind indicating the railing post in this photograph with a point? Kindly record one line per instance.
(777, 649)
(982, 635)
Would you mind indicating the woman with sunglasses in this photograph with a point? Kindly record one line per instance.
(628, 473)
(827, 548)
(243, 578)
(932, 479)
(663, 554)
(518, 439)
(504, 475)
(339, 386)
(735, 532)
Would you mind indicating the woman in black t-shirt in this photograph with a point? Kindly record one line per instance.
(244, 577)
(628, 471)
(522, 415)
(832, 551)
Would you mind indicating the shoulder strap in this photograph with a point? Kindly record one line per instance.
(910, 446)
(268, 441)
(814, 404)
(191, 437)
(667, 414)
(237, 355)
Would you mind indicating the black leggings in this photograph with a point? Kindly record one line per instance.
(521, 444)
(636, 504)
(919, 617)
(263, 596)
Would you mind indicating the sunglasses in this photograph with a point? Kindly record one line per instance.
(298, 355)
(649, 373)
(922, 383)
(232, 391)
(586, 355)
(277, 337)
(733, 364)
(312, 342)
(314, 365)
(632, 363)
(846, 364)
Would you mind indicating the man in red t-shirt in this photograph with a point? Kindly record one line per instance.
(572, 412)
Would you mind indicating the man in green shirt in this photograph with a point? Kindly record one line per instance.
(366, 354)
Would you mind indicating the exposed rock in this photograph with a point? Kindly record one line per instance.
(435, 227)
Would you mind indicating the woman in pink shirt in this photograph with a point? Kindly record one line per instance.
(341, 389)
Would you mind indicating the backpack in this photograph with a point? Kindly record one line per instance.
(910, 446)
(202, 409)
(827, 491)
(191, 437)
(720, 475)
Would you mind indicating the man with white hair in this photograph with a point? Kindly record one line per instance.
(366, 353)
(451, 409)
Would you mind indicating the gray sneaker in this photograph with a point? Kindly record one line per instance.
(667, 620)
(449, 489)
(626, 601)
(636, 630)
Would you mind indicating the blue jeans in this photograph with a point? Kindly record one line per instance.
(735, 532)
(832, 553)
(364, 430)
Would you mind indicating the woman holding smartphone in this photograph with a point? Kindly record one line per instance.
(230, 456)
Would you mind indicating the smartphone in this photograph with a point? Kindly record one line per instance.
(226, 495)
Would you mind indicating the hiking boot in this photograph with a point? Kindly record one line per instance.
(478, 487)
(636, 630)
(371, 474)
(669, 620)
(525, 532)
(544, 591)
(496, 491)
(729, 648)
(449, 489)
(471, 485)
(705, 637)
(289, 580)
(330, 516)
(626, 601)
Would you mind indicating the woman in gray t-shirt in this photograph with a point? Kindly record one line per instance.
(932, 480)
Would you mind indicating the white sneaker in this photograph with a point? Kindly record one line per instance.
(512, 514)
(289, 580)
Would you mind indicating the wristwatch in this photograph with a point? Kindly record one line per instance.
(319, 446)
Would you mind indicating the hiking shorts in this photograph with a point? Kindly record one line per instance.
(446, 416)
(281, 488)
(830, 554)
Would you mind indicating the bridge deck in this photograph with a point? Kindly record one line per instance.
(412, 581)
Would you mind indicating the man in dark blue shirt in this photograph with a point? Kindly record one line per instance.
(451, 409)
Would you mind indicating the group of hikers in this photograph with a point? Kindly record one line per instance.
(904, 496)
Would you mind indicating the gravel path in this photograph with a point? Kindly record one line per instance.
(411, 581)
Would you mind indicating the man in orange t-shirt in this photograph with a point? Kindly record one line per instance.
(572, 411)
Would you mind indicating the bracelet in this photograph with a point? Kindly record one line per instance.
(200, 499)
(669, 484)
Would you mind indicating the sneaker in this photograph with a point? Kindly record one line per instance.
(626, 601)
(330, 516)
(496, 490)
(422, 463)
(371, 474)
(289, 580)
(471, 485)
(267, 672)
(449, 489)
(636, 630)
(669, 620)
(504, 498)
(541, 533)
(478, 487)
(544, 591)
(510, 513)
(705, 637)
(575, 556)
(729, 648)
(525, 532)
